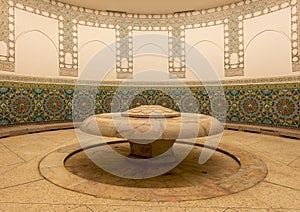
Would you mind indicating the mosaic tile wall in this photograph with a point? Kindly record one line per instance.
(261, 104)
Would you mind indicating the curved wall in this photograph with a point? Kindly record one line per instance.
(250, 42)
(245, 36)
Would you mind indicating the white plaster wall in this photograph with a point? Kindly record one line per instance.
(209, 41)
(92, 40)
(150, 52)
(267, 45)
(266, 41)
(36, 44)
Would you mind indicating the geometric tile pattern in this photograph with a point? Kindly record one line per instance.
(259, 104)
(273, 105)
(69, 17)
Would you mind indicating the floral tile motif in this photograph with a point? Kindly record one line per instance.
(263, 104)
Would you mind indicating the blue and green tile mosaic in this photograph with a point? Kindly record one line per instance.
(264, 104)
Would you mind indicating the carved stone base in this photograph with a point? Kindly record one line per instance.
(152, 149)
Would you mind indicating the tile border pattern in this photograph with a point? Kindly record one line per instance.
(69, 17)
(272, 104)
(72, 81)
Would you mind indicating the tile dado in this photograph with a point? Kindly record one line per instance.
(261, 104)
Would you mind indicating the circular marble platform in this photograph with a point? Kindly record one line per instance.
(230, 170)
(151, 130)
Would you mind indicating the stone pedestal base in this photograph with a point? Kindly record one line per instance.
(151, 150)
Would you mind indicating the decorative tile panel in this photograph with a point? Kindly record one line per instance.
(124, 43)
(295, 34)
(275, 105)
(177, 65)
(232, 16)
(7, 35)
(68, 45)
(234, 41)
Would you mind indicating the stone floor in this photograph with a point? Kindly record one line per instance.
(22, 188)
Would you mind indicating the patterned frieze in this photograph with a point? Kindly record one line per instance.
(275, 105)
(68, 46)
(124, 52)
(233, 46)
(176, 40)
(7, 35)
(263, 8)
(71, 81)
(295, 35)
(68, 16)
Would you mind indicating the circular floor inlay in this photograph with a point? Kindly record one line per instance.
(229, 171)
(187, 174)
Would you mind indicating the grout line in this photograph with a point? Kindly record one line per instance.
(293, 161)
(13, 152)
(87, 206)
(11, 168)
(229, 209)
(295, 189)
(17, 185)
(77, 206)
(257, 152)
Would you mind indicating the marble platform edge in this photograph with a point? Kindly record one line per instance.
(275, 131)
(252, 171)
(35, 128)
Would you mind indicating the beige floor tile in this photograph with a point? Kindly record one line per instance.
(83, 208)
(3, 149)
(31, 146)
(239, 139)
(229, 132)
(125, 208)
(9, 207)
(281, 149)
(262, 196)
(242, 199)
(284, 151)
(20, 193)
(4, 169)
(295, 164)
(281, 174)
(23, 173)
(8, 157)
(43, 192)
(278, 197)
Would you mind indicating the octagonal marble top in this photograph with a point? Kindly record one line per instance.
(146, 122)
(153, 111)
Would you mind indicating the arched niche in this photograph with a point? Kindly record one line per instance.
(209, 42)
(150, 51)
(157, 60)
(89, 49)
(93, 40)
(36, 54)
(150, 62)
(268, 54)
(213, 52)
